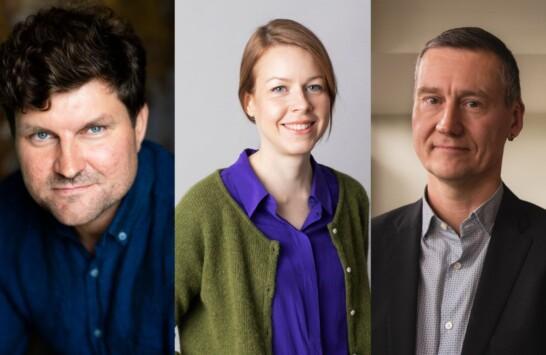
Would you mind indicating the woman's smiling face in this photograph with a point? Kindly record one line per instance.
(290, 101)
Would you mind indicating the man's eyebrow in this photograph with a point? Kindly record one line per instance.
(427, 90)
(26, 128)
(29, 128)
(435, 90)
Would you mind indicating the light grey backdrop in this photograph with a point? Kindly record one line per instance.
(211, 129)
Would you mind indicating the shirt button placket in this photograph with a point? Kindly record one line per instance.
(92, 301)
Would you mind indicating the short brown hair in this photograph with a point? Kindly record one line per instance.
(478, 39)
(283, 32)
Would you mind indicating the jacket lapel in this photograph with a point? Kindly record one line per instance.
(507, 250)
(404, 276)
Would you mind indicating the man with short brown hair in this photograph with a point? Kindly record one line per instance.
(462, 270)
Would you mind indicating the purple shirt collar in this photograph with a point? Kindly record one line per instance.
(254, 191)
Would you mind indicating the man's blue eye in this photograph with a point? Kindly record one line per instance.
(96, 129)
(41, 135)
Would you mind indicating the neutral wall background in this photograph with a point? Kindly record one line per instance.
(399, 31)
(211, 129)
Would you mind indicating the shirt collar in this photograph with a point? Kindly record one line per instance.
(485, 214)
(251, 192)
(319, 187)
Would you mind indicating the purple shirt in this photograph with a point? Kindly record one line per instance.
(309, 312)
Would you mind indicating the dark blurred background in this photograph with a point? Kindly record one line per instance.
(153, 20)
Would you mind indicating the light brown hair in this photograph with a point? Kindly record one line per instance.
(283, 32)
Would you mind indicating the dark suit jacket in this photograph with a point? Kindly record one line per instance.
(509, 311)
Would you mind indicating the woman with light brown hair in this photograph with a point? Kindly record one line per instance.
(271, 251)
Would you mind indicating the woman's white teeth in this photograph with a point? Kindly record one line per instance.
(297, 126)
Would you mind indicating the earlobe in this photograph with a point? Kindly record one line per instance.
(141, 123)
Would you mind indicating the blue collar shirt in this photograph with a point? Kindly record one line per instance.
(118, 300)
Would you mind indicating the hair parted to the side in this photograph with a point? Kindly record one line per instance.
(62, 48)
(284, 32)
(478, 39)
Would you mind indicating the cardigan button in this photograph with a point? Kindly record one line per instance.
(348, 269)
(352, 313)
(334, 230)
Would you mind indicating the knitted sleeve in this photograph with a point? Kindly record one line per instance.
(189, 250)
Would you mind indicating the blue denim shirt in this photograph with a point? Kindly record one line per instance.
(117, 301)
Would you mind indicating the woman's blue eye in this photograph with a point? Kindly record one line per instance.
(314, 88)
(278, 89)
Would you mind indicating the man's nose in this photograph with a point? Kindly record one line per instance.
(449, 122)
(69, 161)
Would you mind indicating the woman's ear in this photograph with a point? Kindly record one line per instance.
(250, 108)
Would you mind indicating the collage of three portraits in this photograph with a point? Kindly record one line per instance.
(283, 178)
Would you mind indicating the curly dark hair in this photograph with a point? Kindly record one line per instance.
(62, 48)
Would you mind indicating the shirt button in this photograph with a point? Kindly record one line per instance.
(94, 272)
(97, 333)
(448, 325)
(457, 266)
(353, 312)
(334, 230)
(443, 225)
(122, 236)
(348, 269)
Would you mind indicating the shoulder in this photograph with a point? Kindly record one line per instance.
(397, 216)
(529, 213)
(204, 192)
(14, 197)
(205, 200)
(20, 216)
(154, 155)
(349, 186)
(156, 164)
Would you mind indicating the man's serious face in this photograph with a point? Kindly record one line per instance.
(460, 118)
(79, 158)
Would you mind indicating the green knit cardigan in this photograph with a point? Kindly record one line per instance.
(225, 271)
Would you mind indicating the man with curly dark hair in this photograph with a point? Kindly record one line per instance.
(86, 225)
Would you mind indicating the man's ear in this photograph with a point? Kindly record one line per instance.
(141, 123)
(518, 110)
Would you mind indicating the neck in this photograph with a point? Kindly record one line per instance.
(91, 232)
(454, 201)
(285, 177)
